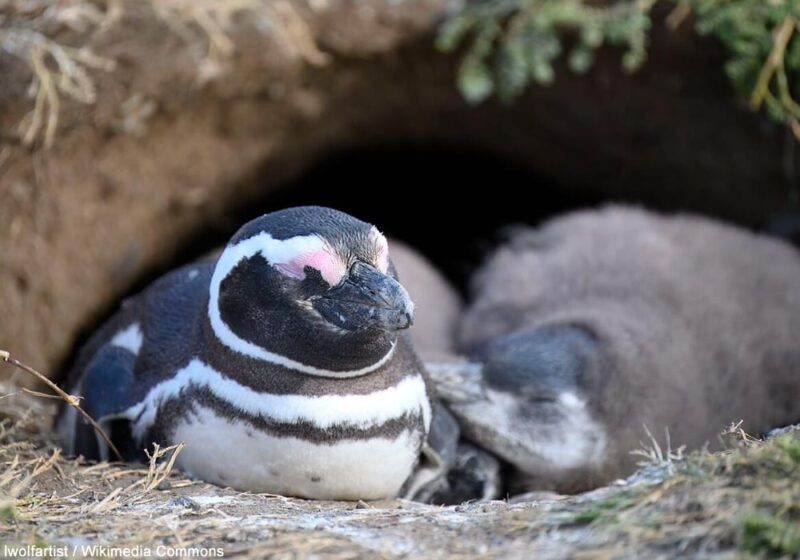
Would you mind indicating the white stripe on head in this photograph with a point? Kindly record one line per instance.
(129, 338)
(409, 396)
(275, 251)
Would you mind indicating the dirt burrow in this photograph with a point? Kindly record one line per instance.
(179, 135)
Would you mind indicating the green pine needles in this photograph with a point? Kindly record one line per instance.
(763, 41)
(508, 44)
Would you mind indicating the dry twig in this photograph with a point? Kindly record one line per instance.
(71, 400)
(781, 36)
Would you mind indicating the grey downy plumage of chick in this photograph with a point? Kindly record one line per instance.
(281, 365)
(601, 323)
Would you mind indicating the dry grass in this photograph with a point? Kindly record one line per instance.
(29, 31)
(56, 70)
(743, 499)
(653, 454)
(209, 22)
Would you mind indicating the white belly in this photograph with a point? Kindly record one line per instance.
(233, 453)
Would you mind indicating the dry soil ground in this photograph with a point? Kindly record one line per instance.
(740, 502)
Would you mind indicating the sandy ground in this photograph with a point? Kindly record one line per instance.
(739, 502)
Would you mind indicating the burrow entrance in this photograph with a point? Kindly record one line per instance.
(452, 203)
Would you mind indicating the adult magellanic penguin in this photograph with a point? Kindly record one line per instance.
(281, 365)
(603, 323)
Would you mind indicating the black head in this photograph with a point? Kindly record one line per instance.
(538, 365)
(310, 286)
(536, 412)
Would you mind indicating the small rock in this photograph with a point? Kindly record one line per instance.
(184, 502)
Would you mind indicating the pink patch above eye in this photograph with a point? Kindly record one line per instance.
(330, 267)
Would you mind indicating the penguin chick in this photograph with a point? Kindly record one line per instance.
(438, 304)
(602, 324)
(280, 365)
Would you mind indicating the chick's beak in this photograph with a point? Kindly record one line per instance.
(367, 298)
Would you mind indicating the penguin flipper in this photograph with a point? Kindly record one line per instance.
(457, 381)
(437, 457)
(106, 389)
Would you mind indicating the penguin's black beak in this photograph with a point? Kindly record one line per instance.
(367, 298)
